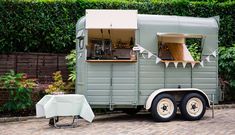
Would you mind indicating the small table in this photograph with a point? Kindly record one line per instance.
(53, 106)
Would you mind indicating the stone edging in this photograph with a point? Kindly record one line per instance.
(14, 119)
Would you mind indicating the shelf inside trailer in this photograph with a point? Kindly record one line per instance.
(180, 61)
(112, 61)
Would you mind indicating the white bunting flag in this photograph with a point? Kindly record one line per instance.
(141, 49)
(208, 58)
(157, 60)
(143, 56)
(193, 64)
(202, 63)
(80, 55)
(175, 63)
(149, 54)
(214, 53)
(167, 63)
(184, 64)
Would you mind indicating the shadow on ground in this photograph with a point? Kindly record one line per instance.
(138, 117)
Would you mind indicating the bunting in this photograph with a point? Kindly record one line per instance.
(150, 54)
(141, 49)
(193, 64)
(214, 53)
(157, 60)
(184, 64)
(208, 58)
(175, 63)
(167, 63)
(80, 55)
(143, 56)
(202, 63)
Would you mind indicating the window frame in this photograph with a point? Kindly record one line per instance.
(185, 36)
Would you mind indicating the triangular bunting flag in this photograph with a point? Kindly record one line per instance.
(167, 63)
(192, 64)
(214, 53)
(157, 60)
(80, 55)
(150, 54)
(208, 58)
(143, 56)
(141, 49)
(175, 63)
(184, 64)
(202, 63)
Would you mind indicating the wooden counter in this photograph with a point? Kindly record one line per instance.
(111, 61)
(172, 61)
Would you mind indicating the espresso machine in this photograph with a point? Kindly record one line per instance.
(103, 47)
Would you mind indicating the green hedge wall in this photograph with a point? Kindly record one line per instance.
(50, 26)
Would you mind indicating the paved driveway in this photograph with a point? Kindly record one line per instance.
(122, 124)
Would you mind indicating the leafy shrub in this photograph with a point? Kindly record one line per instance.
(195, 51)
(72, 76)
(226, 70)
(72, 65)
(58, 85)
(20, 88)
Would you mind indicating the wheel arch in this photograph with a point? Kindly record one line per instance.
(151, 97)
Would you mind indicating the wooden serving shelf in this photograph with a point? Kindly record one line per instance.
(172, 61)
(112, 61)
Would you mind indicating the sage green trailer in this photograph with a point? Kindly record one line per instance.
(143, 83)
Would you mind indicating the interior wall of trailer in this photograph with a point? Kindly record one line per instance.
(115, 34)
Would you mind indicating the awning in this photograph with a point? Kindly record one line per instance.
(111, 19)
(180, 35)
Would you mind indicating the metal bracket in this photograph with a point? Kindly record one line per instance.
(54, 120)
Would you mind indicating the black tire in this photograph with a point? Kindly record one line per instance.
(183, 107)
(131, 111)
(157, 116)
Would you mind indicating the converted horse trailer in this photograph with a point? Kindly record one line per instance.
(132, 61)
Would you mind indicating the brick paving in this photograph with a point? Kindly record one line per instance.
(122, 124)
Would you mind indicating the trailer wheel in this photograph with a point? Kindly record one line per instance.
(193, 106)
(163, 108)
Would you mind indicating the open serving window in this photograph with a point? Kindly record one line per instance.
(111, 35)
(180, 47)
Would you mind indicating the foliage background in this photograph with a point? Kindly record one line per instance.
(49, 25)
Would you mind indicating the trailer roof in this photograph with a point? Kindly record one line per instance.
(180, 24)
(174, 24)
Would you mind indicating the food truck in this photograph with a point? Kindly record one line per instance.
(130, 61)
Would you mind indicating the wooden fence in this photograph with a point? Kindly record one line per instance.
(36, 65)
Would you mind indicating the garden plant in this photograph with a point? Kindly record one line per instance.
(20, 88)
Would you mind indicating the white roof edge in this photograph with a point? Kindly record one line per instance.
(178, 20)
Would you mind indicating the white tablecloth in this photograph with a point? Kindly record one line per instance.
(64, 105)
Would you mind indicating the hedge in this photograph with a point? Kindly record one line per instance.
(50, 26)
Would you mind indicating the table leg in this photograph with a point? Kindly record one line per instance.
(72, 125)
